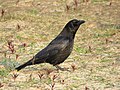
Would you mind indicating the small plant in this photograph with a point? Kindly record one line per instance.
(1, 85)
(2, 13)
(14, 76)
(62, 81)
(17, 56)
(86, 88)
(5, 55)
(76, 3)
(86, 1)
(52, 86)
(54, 77)
(17, 2)
(24, 44)
(91, 70)
(11, 46)
(73, 67)
(30, 77)
(89, 48)
(110, 3)
(18, 26)
(67, 7)
(40, 75)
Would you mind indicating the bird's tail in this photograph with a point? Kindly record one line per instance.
(24, 65)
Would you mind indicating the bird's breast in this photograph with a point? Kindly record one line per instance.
(68, 49)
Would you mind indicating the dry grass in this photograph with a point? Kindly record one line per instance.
(27, 26)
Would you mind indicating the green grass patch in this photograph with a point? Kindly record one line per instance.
(99, 0)
(32, 11)
(3, 72)
(8, 64)
(105, 60)
(81, 50)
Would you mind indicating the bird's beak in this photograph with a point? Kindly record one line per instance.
(81, 22)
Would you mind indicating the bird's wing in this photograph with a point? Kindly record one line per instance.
(60, 43)
(52, 49)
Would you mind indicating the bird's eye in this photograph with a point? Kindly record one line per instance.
(75, 21)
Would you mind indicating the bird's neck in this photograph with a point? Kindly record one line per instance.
(68, 34)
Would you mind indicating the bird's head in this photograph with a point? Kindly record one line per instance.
(73, 25)
(71, 28)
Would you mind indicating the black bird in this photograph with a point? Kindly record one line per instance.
(58, 49)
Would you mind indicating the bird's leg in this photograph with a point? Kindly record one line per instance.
(62, 69)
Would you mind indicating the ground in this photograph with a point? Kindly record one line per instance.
(27, 26)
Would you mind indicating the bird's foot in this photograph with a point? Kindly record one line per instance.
(62, 69)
